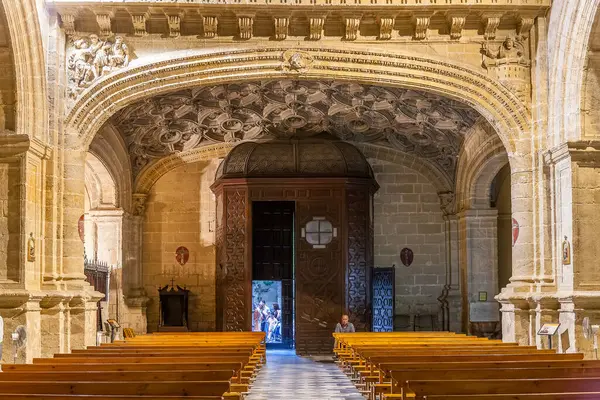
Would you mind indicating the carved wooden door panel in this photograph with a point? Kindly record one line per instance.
(383, 299)
(233, 278)
(320, 287)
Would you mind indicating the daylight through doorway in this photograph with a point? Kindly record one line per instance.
(273, 271)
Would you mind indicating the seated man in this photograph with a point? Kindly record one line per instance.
(344, 326)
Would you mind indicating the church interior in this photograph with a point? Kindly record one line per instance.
(338, 199)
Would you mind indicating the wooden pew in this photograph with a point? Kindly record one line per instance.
(146, 372)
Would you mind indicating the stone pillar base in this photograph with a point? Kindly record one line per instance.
(135, 317)
(21, 308)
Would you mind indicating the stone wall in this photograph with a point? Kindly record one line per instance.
(407, 214)
(178, 212)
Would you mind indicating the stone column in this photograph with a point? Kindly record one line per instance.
(450, 299)
(479, 265)
(73, 208)
(518, 313)
(133, 283)
(82, 306)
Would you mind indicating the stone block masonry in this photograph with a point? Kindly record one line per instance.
(407, 214)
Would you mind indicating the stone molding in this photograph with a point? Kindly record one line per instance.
(507, 114)
(583, 153)
(237, 16)
(12, 145)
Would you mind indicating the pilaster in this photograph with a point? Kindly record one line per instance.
(479, 265)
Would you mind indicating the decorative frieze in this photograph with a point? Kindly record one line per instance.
(456, 23)
(246, 26)
(68, 21)
(281, 27)
(139, 24)
(174, 21)
(352, 24)
(316, 24)
(490, 25)
(421, 24)
(210, 24)
(104, 23)
(386, 26)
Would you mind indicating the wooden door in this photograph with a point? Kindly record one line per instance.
(320, 285)
(383, 299)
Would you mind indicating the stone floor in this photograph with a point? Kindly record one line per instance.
(287, 376)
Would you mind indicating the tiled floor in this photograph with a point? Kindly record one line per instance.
(287, 376)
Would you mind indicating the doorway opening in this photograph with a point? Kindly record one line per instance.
(273, 271)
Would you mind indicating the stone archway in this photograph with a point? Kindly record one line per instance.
(507, 115)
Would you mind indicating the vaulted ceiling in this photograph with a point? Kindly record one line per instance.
(420, 123)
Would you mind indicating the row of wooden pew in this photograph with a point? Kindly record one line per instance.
(446, 366)
(201, 366)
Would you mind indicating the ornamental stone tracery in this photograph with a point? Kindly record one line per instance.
(415, 122)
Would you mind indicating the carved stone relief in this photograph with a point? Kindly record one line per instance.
(509, 64)
(424, 124)
(90, 57)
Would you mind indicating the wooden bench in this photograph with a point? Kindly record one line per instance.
(210, 366)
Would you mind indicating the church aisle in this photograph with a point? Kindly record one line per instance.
(287, 376)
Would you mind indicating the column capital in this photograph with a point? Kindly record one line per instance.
(447, 202)
(139, 203)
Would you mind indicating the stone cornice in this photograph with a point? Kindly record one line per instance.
(12, 145)
(583, 153)
(187, 18)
